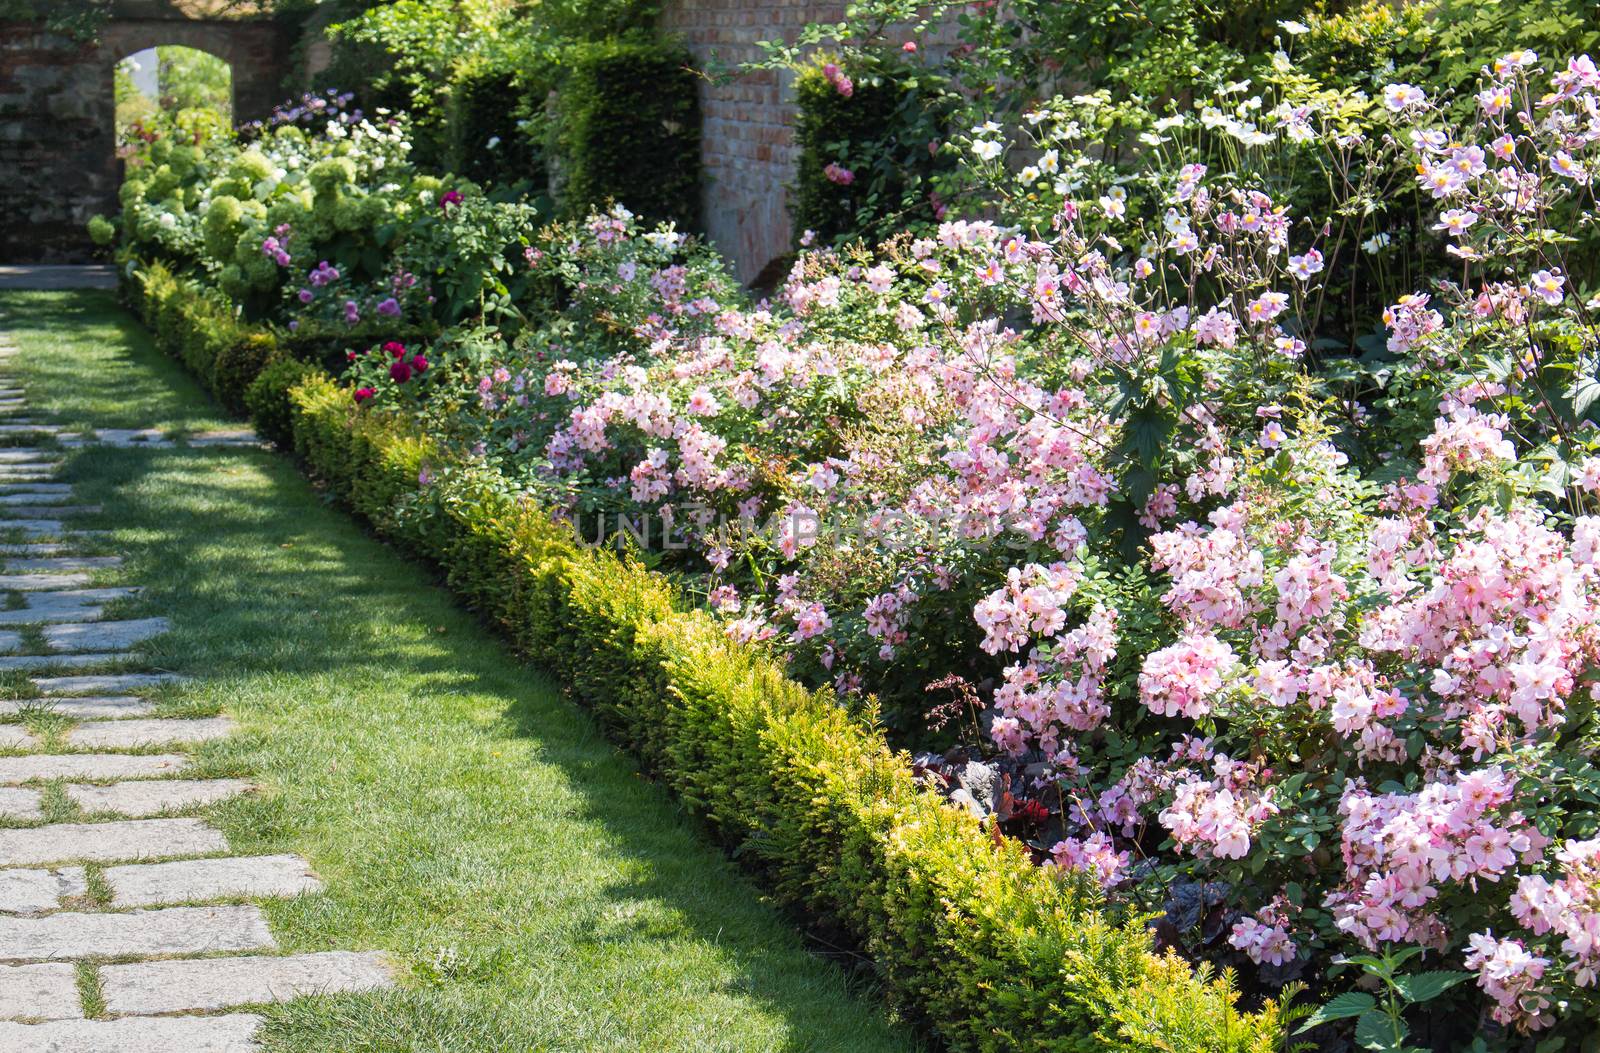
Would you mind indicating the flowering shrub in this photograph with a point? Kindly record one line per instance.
(1336, 703)
(322, 225)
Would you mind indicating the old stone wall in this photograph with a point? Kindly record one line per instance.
(58, 161)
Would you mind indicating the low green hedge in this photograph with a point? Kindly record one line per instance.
(972, 939)
(201, 329)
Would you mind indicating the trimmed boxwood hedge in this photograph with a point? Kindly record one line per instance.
(973, 941)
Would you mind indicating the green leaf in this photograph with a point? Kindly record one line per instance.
(1339, 1007)
(1421, 987)
(1584, 394)
(1148, 429)
(1377, 1032)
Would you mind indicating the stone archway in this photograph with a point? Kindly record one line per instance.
(57, 110)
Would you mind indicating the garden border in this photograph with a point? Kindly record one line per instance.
(972, 939)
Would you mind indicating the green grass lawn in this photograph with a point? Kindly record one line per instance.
(540, 894)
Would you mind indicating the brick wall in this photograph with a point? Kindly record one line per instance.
(58, 161)
(747, 141)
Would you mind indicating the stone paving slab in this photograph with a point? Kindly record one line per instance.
(144, 933)
(102, 708)
(43, 582)
(198, 880)
(103, 636)
(57, 661)
(24, 454)
(35, 527)
(17, 770)
(16, 490)
(61, 564)
(110, 683)
(153, 438)
(127, 840)
(39, 992)
(49, 615)
(14, 737)
(37, 891)
(221, 983)
(154, 796)
(38, 548)
(125, 734)
(17, 803)
(37, 496)
(175, 1034)
(52, 511)
(225, 437)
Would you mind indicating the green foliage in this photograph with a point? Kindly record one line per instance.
(189, 79)
(628, 129)
(266, 400)
(885, 132)
(78, 19)
(202, 330)
(1380, 1020)
(497, 131)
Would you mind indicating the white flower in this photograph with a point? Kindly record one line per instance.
(1547, 286)
(494, 141)
(1294, 28)
(1050, 163)
(987, 149)
(1029, 175)
(1375, 244)
(1456, 221)
(1398, 97)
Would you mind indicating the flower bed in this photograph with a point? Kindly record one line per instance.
(1290, 657)
(972, 938)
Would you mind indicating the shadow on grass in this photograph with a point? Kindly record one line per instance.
(90, 363)
(539, 892)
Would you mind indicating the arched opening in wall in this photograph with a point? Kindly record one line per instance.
(173, 92)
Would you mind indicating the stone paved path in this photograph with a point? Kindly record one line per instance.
(126, 926)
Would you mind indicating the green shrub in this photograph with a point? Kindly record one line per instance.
(496, 131)
(880, 133)
(628, 129)
(240, 358)
(267, 398)
(102, 231)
